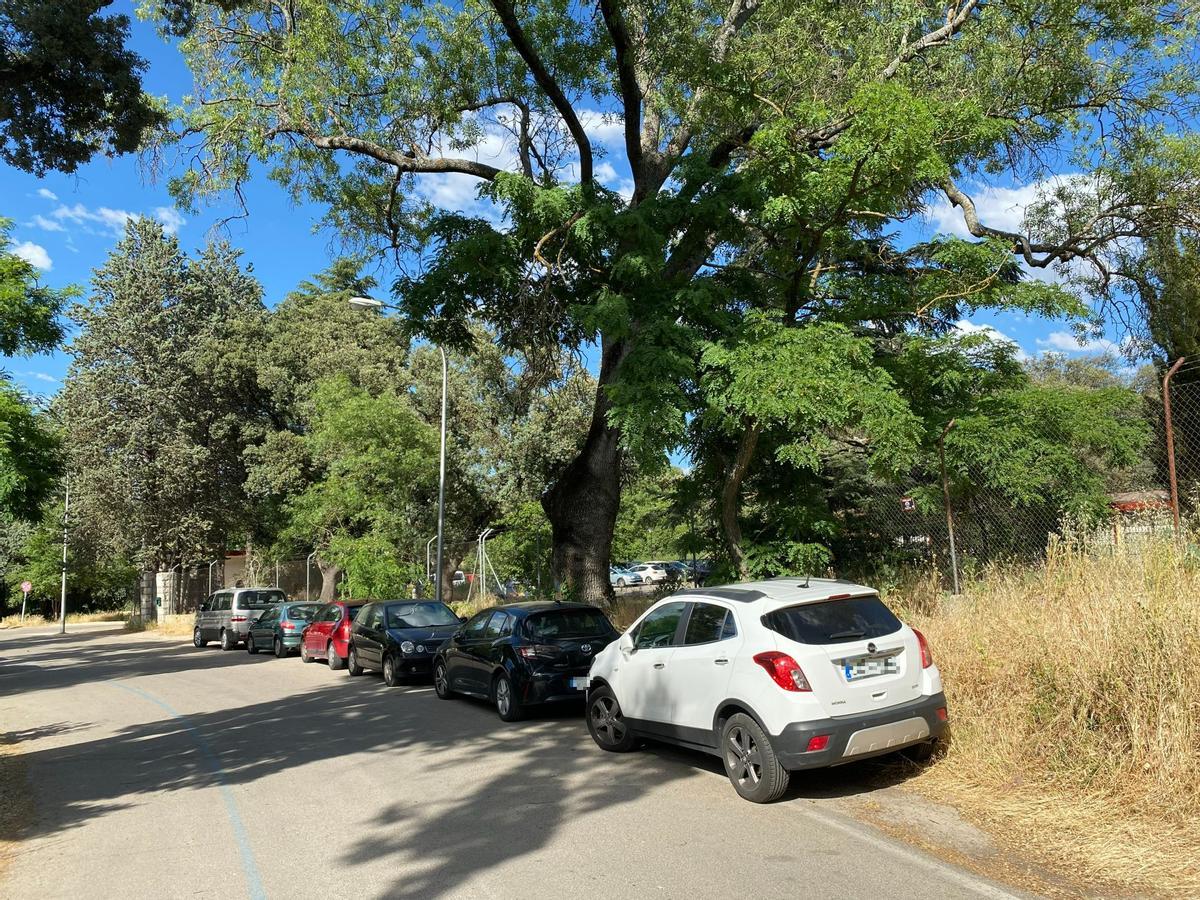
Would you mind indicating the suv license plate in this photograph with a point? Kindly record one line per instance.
(868, 667)
(579, 684)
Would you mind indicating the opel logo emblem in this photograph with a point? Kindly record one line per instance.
(871, 647)
(586, 648)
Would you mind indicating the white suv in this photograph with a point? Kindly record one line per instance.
(771, 676)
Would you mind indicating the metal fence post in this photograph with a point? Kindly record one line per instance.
(946, 498)
(1166, 388)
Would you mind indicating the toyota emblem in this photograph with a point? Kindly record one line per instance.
(586, 648)
(871, 647)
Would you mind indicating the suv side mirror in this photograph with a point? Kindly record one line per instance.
(626, 645)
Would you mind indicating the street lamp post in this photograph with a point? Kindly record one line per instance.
(372, 303)
(62, 607)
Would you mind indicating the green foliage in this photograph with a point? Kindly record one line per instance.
(162, 399)
(69, 88)
(29, 456)
(29, 313)
(649, 525)
(374, 487)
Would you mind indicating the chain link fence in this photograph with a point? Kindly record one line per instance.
(961, 522)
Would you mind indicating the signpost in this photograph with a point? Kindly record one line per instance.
(26, 587)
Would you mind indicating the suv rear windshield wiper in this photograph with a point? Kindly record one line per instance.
(846, 634)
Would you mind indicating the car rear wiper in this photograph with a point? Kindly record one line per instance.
(847, 634)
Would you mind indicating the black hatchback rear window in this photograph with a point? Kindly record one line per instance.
(833, 621)
(567, 623)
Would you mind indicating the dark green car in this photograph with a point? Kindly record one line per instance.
(280, 627)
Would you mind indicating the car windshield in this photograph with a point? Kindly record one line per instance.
(567, 623)
(833, 621)
(303, 613)
(420, 615)
(260, 599)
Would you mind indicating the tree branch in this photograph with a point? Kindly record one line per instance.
(405, 162)
(955, 19)
(631, 89)
(508, 18)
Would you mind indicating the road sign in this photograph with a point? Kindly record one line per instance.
(26, 586)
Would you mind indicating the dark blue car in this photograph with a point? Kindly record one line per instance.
(399, 637)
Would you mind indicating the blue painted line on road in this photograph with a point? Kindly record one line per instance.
(254, 886)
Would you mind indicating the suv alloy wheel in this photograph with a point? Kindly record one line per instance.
(606, 724)
(227, 643)
(750, 761)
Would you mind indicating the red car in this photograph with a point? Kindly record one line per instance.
(327, 636)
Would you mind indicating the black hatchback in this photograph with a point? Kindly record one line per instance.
(523, 654)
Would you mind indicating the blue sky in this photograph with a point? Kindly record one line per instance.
(67, 224)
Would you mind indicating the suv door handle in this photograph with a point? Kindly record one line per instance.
(660, 665)
(721, 662)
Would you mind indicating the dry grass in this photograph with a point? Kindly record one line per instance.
(72, 619)
(1075, 695)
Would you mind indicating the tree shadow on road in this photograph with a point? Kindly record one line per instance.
(526, 780)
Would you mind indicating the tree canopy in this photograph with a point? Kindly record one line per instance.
(771, 149)
(69, 87)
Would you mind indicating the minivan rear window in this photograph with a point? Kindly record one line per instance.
(834, 621)
(567, 623)
(259, 599)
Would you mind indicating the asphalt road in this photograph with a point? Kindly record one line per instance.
(159, 770)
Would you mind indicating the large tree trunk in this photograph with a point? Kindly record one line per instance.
(731, 498)
(330, 573)
(582, 504)
(450, 564)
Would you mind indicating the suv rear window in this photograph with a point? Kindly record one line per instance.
(833, 621)
(259, 599)
(567, 623)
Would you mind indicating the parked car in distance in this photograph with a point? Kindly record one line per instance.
(523, 654)
(225, 615)
(279, 628)
(327, 636)
(652, 573)
(399, 637)
(771, 676)
(620, 578)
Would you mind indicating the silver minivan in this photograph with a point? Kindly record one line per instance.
(226, 615)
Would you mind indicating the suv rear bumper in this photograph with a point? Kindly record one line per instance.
(874, 734)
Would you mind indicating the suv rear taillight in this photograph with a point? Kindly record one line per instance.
(237, 618)
(539, 651)
(926, 656)
(784, 670)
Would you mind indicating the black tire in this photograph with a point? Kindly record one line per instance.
(352, 665)
(197, 639)
(280, 650)
(251, 647)
(606, 724)
(227, 642)
(391, 672)
(508, 707)
(304, 657)
(750, 761)
(621, 582)
(441, 681)
(334, 661)
(922, 753)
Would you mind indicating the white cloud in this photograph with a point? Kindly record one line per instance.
(965, 327)
(40, 376)
(47, 224)
(34, 254)
(604, 128)
(112, 221)
(170, 218)
(1068, 342)
(47, 194)
(997, 207)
